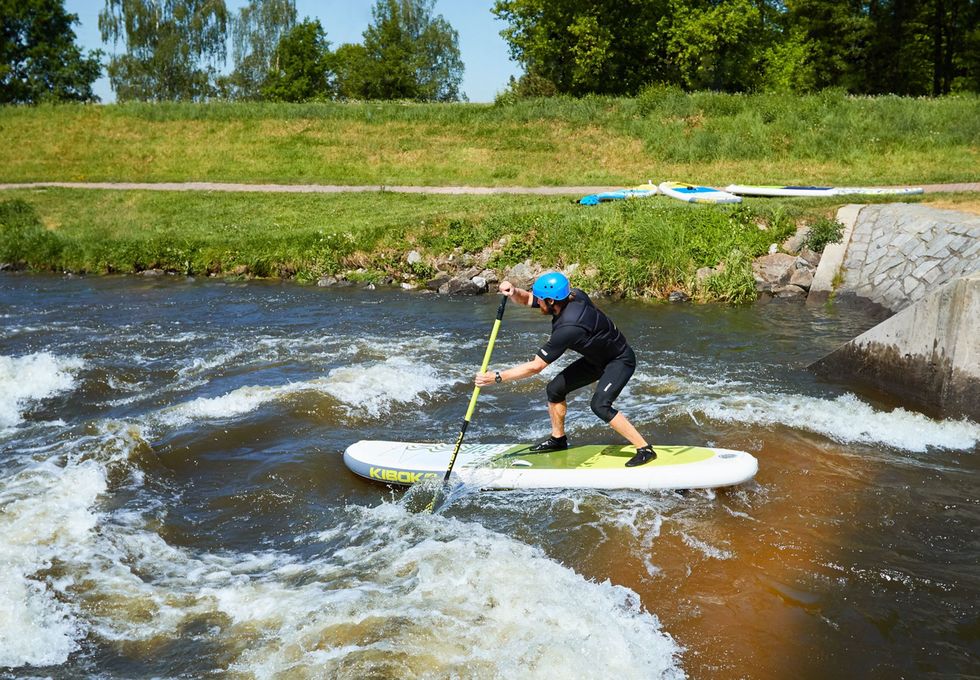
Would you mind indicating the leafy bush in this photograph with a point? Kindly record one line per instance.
(822, 232)
(529, 86)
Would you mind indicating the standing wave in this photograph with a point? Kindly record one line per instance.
(383, 592)
(30, 378)
(845, 419)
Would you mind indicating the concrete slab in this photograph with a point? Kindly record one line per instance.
(928, 353)
(833, 256)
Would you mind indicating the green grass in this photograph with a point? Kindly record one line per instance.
(663, 134)
(645, 247)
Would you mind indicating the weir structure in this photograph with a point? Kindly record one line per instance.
(923, 264)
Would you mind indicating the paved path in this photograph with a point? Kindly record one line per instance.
(337, 188)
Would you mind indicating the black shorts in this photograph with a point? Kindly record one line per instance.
(610, 379)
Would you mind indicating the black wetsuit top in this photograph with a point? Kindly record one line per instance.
(582, 327)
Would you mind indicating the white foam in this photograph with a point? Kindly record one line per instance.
(446, 599)
(177, 338)
(198, 366)
(46, 516)
(232, 405)
(845, 419)
(442, 596)
(706, 549)
(367, 389)
(30, 378)
(51, 521)
(373, 388)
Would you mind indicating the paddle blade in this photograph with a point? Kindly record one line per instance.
(432, 496)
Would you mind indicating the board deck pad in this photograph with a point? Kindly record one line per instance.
(692, 193)
(599, 457)
(508, 466)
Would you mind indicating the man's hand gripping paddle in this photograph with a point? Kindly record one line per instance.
(472, 407)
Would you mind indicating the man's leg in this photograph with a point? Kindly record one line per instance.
(626, 429)
(614, 377)
(557, 414)
(612, 381)
(577, 374)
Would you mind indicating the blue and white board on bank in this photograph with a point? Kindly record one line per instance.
(693, 193)
(641, 191)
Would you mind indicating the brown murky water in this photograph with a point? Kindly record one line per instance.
(173, 501)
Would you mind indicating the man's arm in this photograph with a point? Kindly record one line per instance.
(525, 370)
(519, 295)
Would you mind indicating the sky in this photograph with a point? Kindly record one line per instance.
(484, 53)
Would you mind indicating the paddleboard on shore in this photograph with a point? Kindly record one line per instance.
(816, 192)
(879, 191)
(780, 190)
(512, 466)
(692, 193)
(641, 191)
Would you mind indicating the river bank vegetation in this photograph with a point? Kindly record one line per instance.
(663, 134)
(646, 247)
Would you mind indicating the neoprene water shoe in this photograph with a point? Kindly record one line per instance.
(643, 455)
(550, 444)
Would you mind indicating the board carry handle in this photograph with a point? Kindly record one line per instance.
(476, 389)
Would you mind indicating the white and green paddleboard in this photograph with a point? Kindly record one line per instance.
(512, 466)
(816, 192)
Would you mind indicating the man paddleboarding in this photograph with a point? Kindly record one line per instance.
(607, 360)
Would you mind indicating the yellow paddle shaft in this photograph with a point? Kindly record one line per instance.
(476, 390)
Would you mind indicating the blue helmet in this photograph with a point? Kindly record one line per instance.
(553, 285)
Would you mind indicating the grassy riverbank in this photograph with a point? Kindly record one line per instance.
(644, 247)
(702, 137)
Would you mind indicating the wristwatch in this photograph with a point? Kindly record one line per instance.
(496, 377)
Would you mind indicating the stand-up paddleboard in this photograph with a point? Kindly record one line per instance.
(641, 191)
(879, 191)
(512, 466)
(692, 193)
(780, 190)
(816, 192)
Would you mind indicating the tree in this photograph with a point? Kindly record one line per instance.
(787, 64)
(350, 64)
(925, 46)
(837, 34)
(864, 46)
(301, 66)
(173, 47)
(967, 62)
(528, 86)
(590, 46)
(408, 54)
(907, 47)
(256, 31)
(719, 46)
(39, 60)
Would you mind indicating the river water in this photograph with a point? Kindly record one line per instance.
(173, 500)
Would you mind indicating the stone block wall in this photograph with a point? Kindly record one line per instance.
(898, 253)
